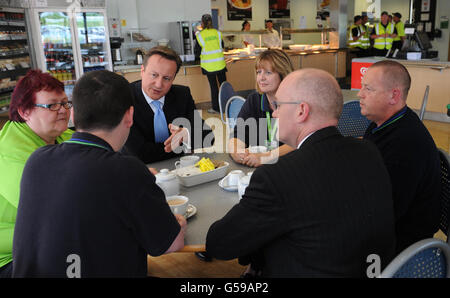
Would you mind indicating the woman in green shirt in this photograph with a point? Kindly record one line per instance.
(38, 116)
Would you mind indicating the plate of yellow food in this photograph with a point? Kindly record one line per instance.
(241, 4)
(203, 171)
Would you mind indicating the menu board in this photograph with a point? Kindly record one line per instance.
(239, 10)
(279, 9)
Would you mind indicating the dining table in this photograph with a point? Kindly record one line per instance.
(211, 201)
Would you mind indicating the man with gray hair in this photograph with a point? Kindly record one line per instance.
(323, 208)
(408, 150)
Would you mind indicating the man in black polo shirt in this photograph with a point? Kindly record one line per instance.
(408, 150)
(86, 210)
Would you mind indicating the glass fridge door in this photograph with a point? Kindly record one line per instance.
(56, 39)
(94, 41)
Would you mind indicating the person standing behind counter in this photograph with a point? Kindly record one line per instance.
(323, 208)
(38, 116)
(247, 39)
(271, 67)
(158, 103)
(271, 39)
(383, 35)
(85, 201)
(212, 60)
(400, 27)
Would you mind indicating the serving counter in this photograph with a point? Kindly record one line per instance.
(425, 72)
(241, 70)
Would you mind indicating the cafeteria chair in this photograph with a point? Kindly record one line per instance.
(445, 192)
(428, 258)
(424, 103)
(232, 110)
(351, 122)
(226, 91)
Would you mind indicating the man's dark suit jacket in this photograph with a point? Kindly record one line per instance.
(320, 211)
(178, 103)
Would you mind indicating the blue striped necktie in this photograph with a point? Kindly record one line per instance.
(160, 123)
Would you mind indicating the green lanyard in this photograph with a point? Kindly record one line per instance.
(87, 143)
(270, 131)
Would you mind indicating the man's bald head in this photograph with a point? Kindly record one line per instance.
(395, 75)
(319, 89)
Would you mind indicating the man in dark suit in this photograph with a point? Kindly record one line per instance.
(165, 117)
(323, 208)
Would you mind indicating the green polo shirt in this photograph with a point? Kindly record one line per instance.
(17, 142)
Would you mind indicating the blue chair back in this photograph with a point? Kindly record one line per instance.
(226, 91)
(428, 258)
(232, 110)
(445, 192)
(351, 122)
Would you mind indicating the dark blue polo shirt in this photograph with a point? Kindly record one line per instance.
(84, 199)
(412, 160)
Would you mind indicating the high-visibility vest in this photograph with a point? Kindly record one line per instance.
(211, 57)
(364, 39)
(400, 30)
(353, 43)
(382, 43)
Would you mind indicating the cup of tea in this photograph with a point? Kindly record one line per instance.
(186, 161)
(178, 204)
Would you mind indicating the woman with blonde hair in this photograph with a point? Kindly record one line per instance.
(271, 66)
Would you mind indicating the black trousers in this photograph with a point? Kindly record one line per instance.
(213, 78)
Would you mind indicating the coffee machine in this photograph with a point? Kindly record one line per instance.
(116, 43)
(115, 40)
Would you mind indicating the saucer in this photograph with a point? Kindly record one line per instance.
(224, 184)
(191, 210)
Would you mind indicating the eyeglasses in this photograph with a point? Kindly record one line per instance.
(277, 104)
(55, 106)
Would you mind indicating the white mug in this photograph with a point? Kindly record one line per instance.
(186, 161)
(177, 204)
(234, 176)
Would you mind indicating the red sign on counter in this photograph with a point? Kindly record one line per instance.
(358, 71)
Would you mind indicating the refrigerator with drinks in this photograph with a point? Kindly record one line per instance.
(70, 39)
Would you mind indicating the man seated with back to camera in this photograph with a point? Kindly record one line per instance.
(94, 211)
(323, 208)
(159, 104)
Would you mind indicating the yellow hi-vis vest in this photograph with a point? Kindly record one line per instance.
(400, 30)
(211, 57)
(364, 39)
(382, 43)
(353, 43)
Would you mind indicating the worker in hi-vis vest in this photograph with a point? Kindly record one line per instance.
(358, 39)
(212, 60)
(398, 41)
(383, 34)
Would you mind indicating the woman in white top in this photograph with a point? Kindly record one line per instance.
(247, 39)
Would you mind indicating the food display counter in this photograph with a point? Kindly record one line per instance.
(425, 72)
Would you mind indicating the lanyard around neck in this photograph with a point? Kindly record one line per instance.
(270, 130)
(86, 143)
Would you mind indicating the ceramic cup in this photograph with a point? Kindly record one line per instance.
(234, 176)
(178, 204)
(257, 149)
(185, 161)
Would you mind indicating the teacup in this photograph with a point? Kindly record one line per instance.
(234, 176)
(186, 161)
(177, 204)
(257, 149)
